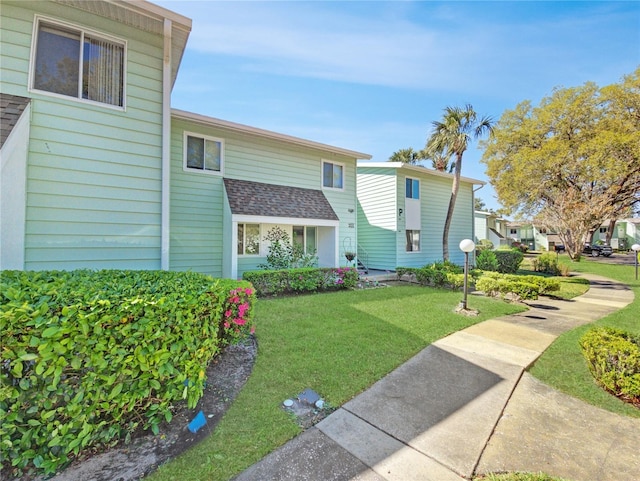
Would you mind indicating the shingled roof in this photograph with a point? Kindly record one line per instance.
(255, 198)
(11, 108)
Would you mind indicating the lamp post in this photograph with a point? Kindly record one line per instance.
(466, 246)
(636, 249)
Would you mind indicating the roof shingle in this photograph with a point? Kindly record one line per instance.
(255, 198)
(11, 108)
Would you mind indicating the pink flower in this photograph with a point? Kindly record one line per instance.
(248, 291)
(253, 329)
(240, 322)
(228, 313)
(227, 325)
(242, 309)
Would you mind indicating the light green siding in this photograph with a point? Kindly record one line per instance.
(381, 199)
(94, 172)
(197, 211)
(377, 218)
(200, 219)
(274, 162)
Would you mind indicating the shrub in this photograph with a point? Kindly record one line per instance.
(487, 261)
(284, 254)
(613, 357)
(484, 244)
(88, 357)
(509, 260)
(520, 287)
(438, 274)
(308, 279)
(547, 263)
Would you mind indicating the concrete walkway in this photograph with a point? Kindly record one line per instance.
(465, 405)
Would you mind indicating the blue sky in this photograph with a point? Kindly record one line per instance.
(373, 76)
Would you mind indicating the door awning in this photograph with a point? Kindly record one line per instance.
(269, 200)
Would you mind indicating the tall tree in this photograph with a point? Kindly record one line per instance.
(452, 135)
(408, 156)
(572, 162)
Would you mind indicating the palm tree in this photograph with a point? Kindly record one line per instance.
(407, 156)
(440, 161)
(452, 136)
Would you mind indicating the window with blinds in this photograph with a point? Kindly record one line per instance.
(78, 64)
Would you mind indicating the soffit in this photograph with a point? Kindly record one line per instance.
(144, 16)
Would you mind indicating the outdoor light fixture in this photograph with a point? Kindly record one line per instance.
(466, 246)
(636, 252)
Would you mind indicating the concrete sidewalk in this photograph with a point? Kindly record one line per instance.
(464, 405)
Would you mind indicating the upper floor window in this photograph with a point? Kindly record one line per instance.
(412, 188)
(513, 231)
(204, 154)
(76, 63)
(332, 175)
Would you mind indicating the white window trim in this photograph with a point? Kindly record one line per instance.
(202, 171)
(344, 175)
(83, 31)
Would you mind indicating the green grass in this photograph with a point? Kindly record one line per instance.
(563, 366)
(338, 344)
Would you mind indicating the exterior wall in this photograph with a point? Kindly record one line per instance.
(196, 211)
(269, 161)
(377, 217)
(380, 199)
(480, 226)
(202, 226)
(94, 172)
(13, 178)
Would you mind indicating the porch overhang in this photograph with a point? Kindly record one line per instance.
(250, 200)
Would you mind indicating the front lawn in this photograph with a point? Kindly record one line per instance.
(338, 344)
(563, 366)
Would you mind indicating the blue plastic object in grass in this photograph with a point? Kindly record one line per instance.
(197, 422)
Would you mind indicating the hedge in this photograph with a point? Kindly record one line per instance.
(88, 357)
(613, 357)
(306, 279)
(521, 287)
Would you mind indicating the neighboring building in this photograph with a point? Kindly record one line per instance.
(625, 233)
(492, 227)
(99, 172)
(401, 214)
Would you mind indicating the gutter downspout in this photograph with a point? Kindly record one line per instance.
(166, 146)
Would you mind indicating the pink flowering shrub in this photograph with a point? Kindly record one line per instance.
(237, 318)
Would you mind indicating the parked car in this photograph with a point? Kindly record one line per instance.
(559, 247)
(597, 250)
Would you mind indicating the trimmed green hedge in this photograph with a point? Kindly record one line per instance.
(306, 279)
(613, 357)
(89, 357)
(521, 287)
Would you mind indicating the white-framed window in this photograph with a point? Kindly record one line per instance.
(513, 231)
(74, 62)
(412, 188)
(306, 236)
(248, 239)
(332, 175)
(413, 240)
(203, 154)
(603, 230)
